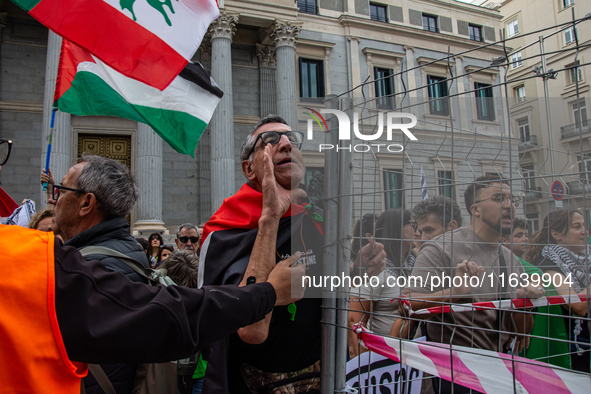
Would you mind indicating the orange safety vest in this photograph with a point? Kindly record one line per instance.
(33, 357)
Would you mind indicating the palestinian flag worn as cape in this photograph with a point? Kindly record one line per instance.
(233, 229)
(227, 243)
(147, 40)
(179, 114)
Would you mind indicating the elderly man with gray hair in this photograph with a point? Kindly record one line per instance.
(91, 204)
(187, 238)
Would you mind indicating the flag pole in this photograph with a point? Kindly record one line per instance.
(49, 147)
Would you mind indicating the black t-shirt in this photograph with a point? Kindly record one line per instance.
(292, 344)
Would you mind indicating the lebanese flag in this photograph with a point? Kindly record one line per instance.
(147, 40)
(179, 114)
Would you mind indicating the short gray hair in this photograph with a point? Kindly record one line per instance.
(182, 267)
(444, 208)
(249, 142)
(112, 184)
(188, 226)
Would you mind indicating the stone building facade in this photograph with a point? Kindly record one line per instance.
(283, 57)
(547, 111)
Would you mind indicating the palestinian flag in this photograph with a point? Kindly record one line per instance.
(228, 239)
(232, 230)
(147, 40)
(179, 114)
(7, 204)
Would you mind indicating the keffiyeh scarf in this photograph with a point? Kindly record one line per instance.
(569, 262)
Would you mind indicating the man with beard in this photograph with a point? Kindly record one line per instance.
(491, 207)
(187, 238)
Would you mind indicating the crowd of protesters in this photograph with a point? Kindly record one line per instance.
(494, 241)
(282, 351)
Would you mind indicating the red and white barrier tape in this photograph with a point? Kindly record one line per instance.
(483, 370)
(516, 303)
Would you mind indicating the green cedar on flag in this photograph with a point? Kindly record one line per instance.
(147, 40)
(179, 114)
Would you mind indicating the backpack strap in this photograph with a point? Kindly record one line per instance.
(131, 263)
(101, 378)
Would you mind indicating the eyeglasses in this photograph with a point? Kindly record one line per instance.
(167, 246)
(56, 190)
(184, 240)
(5, 147)
(502, 200)
(273, 137)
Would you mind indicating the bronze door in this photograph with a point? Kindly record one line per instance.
(116, 147)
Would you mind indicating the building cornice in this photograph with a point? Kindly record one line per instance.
(21, 106)
(412, 32)
(466, 7)
(380, 52)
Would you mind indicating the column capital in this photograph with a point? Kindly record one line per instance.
(266, 54)
(285, 34)
(409, 48)
(224, 26)
(205, 48)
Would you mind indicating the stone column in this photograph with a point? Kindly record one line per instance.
(61, 147)
(285, 38)
(464, 99)
(268, 92)
(355, 67)
(149, 181)
(222, 122)
(410, 63)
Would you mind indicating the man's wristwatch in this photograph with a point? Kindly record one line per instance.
(251, 280)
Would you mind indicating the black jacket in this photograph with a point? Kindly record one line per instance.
(105, 318)
(113, 234)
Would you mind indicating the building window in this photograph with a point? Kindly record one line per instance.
(384, 85)
(575, 73)
(475, 32)
(585, 169)
(393, 192)
(307, 6)
(438, 89)
(485, 106)
(516, 60)
(580, 113)
(446, 180)
(532, 222)
(377, 12)
(529, 180)
(567, 3)
(569, 35)
(430, 23)
(311, 78)
(512, 28)
(312, 172)
(523, 127)
(519, 93)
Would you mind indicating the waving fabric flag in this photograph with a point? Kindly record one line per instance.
(147, 40)
(179, 114)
